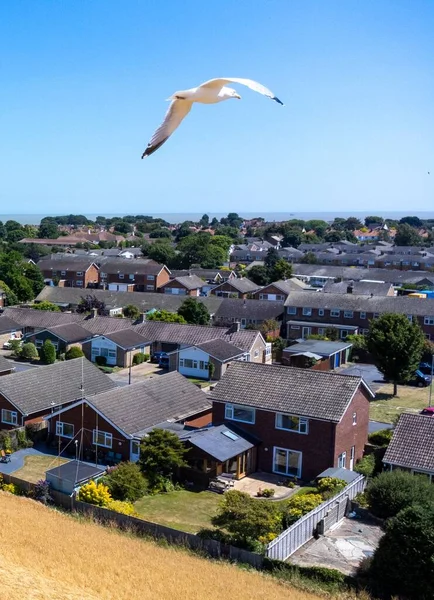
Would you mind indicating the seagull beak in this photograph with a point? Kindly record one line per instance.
(237, 96)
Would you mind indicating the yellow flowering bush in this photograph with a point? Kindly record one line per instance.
(299, 505)
(11, 488)
(120, 506)
(94, 493)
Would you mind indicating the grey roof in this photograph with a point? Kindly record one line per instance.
(126, 338)
(131, 266)
(361, 288)
(315, 394)
(257, 310)
(376, 304)
(70, 332)
(139, 407)
(394, 276)
(412, 443)
(322, 347)
(207, 274)
(7, 324)
(287, 285)
(242, 285)
(75, 471)
(66, 262)
(34, 390)
(221, 350)
(190, 282)
(221, 442)
(104, 325)
(6, 365)
(339, 473)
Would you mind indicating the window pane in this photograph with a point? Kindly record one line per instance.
(280, 461)
(293, 458)
(243, 414)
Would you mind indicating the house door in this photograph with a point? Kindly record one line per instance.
(135, 451)
(242, 465)
(337, 361)
(352, 455)
(306, 332)
(243, 322)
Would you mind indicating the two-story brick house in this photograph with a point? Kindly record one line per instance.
(278, 291)
(306, 421)
(188, 285)
(236, 288)
(132, 275)
(70, 271)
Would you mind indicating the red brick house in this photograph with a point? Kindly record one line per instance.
(132, 275)
(306, 421)
(112, 424)
(280, 290)
(236, 288)
(189, 285)
(71, 271)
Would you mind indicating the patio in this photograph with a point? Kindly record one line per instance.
(251, 484)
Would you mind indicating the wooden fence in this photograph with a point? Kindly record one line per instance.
(317, 521)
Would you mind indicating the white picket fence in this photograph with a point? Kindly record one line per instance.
(330, 512)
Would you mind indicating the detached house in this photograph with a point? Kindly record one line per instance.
(132, 275)
(189, 285)
(306, 421)
(236, 288)
(280, 290)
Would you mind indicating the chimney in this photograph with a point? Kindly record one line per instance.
(94, 313)
(350, 287)
(142, 318)
(235, 327)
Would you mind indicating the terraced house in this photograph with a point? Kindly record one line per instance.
(70, 271)
(132, 275)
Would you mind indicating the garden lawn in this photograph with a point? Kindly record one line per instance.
(184, 510)
(35, 467)
(387, 408)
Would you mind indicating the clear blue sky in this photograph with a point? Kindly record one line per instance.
(83, 86)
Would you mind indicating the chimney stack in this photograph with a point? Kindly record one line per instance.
(142, 317)
(350, 287)
(94, 313)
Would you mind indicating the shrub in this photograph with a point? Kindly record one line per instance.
(74, 352)
(299, 505)
(138, 359)
(360, 498)
(266, 493)
(28, 351)
(125, 508)
(94, 493)
(392, 491)
(146, 357)
(11, 488)
(5, 441)
(101, 361)
(47, 353)
(380, 438)
(15, 347)
(161, 454)
(41, 492)
(330, 486)
(366, 465)
(126, 482)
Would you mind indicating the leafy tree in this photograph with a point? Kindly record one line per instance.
(352, 223)
(166, 317)
(233, 220)
(161, 454)
(2, 230)
(160, 233)
(48, 230)
(268, 326)
(271, 258)
(88, 302)
(204, 222)
(292, 237)
(11, 298)
(200, 248)
(47, 353)
(194, 312)
(122, 227)
(333, 236)
(28, 351)
(214, 222)
(281, 270)
(332, 334)
(309, 258)
(131, 311)
(259, 275)
(126, 482)
(162, 253)
(74, 352)
(412, 221)
(45, 305)
(396, 346)
(403, 564)
(373, 221)
(392, 491)
(406, 235)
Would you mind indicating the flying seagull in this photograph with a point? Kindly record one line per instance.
(210, 92)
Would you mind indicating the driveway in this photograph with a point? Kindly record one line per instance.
(138, 373)
(342, 548)
(370, 374)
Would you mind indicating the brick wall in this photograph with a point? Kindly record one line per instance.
(347, 434)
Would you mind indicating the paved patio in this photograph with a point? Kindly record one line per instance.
(342, 548)
(252, 483)
(138, 373)
(17, 458)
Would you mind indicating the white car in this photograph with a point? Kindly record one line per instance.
(7, 345)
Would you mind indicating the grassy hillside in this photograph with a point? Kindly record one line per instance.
(46, 554)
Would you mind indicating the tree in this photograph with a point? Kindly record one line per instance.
(281, 270)
(373, 221)
(160, 233)
(28, 351)
(271, 258)
(269, 326)
(47, 353)
(131, 311)
(406, 235)
(126, 482)
(48, 230)
(333, 236)
(161, 454)
(166, 317)
(352, 223)
(162, 253)
(11, 298)
(88, 302)
(233, 220)
(396, 345)
(204, 222)
(412, 221)
(292, 237)
(45, 305)
(74, 352)
(194, 312)
(403, 564)
(309, 258)
(259, 275)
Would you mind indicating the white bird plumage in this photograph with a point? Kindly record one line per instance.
(210, 92)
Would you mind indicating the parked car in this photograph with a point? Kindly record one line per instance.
(429, 411)
(155, 358)
(425, 367)
(164, 362)
(7, 345)
(420, 379)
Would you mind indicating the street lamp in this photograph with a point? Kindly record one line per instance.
(432, 376)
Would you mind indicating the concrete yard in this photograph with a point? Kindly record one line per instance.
(342, 548)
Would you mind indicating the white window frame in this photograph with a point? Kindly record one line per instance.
(230, 413)
(428, 320)
(363, 315)
(256, 353)
(151, 287)
(295, 326)
(121, 275)
(320, 312)
(292, 310)
(302, 423)
(60, 425)
(108, 438)
(79, 274)
(63, 273)
(103, 275)
(307, 311)
(375, 315)
(342, 460)
(13, 415)
(321, 331)
(131, 276)
(410, 318)
(275, 449)
(79, 283)
(335, 312)
(348, 314)
(150, 277)
(354, 418)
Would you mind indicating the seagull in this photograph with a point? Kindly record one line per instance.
(210, 92)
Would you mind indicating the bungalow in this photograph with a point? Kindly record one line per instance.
(412, 445)
(63, 337)
(9, 330)
(28, 396)
(306, 421)
(280, 290)
(118, 347)
(190, 285)
(236, 288)
(111, 425)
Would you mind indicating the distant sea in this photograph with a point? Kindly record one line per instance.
(35, 219)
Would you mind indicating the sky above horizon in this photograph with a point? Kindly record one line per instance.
(83, 86)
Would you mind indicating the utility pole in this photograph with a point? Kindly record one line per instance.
(432, 377)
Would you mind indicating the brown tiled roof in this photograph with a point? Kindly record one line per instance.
(244, 286)
(316, 394)
(412, 444)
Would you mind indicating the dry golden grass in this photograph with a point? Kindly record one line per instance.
(47, 554)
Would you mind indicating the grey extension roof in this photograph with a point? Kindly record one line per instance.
(127, 338)
(5, 365)
(407, 305)
(138, 408)
(134, 266)
(190, 282)
(76, 472)
(221, 350)
(339, 473)
(70, 332)
(361, 288)
(221, 442)
(315, 394)
(394, 276)
(321, 347)
(243, 285)
(256, 310)
(412, 443)
(34, 390)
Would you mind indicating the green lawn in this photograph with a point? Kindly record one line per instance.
(36, 466)
(184, 510)
(387, 408)
(201, 382)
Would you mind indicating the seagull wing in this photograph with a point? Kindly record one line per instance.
(253, 85)
(178, 109)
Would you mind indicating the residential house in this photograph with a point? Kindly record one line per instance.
(250, 313)
(118, 347)
(111, 425)
(28, 396)
(360, 288)
(236, 288)
(306, 421)
(278, 291)
(412, 446)
(290, 254)
(6, 366)
(69, 271)
(210, 277)
(189, 285)
(245, 253)
(329, 355)
(132, 275)
(63, 337)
